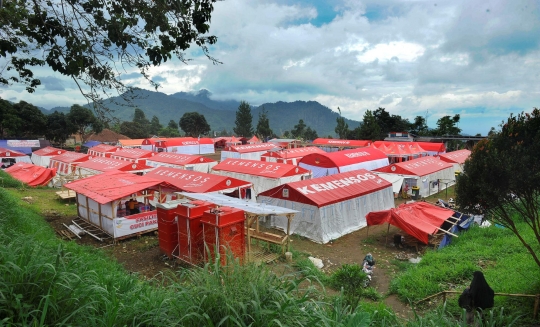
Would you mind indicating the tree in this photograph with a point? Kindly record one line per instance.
(263, 125)
(310, 134)
(10, 122)
(389, 123)
(369, 130)
(419, 127)
(244, 120)
(172, 124)
(155, 127)
(447, 126)
(502, 178)
(342, 127)
(299, 129)
(194, 124)
(133, 130)
(171, 130)
(33, 121)
(84, 120)
(59, 129)
(94, 42)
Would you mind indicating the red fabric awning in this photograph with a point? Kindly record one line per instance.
(193, 181)
(331, 189)
(418, 219)
(416, 167)
(31, 174)
(259, 168)
(110, 186)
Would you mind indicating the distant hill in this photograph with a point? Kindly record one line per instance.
(221, 114)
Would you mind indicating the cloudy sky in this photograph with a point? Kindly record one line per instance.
(476, 58)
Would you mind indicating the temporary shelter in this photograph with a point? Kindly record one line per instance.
(102, 150)
(133, 155)
(289, 156)
(263, 175)
(433, 149)
(429, 174)
(225, 141)
(131, 143)
(418, 219)
(150, 143)
(180, 180)
(22, 146)
(324, 164)
(30, 174)
(90, 144)
(66, 162)
(331, 206)
(186, 145)
(400, 151)
(101, 165)
(254, 140)
(11, 156)
(331, 145)
(182, 161)
(100, 202)
(248, 151)
(286, 143)
(42, 157)
(456, 158)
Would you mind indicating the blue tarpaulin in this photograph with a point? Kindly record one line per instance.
(25, 150)
(90, 144)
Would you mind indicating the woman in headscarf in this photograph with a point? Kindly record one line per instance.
(477, 297)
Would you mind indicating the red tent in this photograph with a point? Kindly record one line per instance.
(342, 143)
(289, 156)
(150, 143)
(416, 167)
(457, 157)
(31, 174)
(247, 151)
(324, 164)
(100, 165)
(103, 150)
(259, 168)
(133, 155)
(195, 182)
(433, 149)
(418, 219)
(42, 157)
(186, 145)
(66, 162)
(254, 140)
(182, 161)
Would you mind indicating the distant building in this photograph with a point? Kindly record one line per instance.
(399, 137)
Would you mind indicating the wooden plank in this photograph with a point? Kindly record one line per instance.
(69, 194)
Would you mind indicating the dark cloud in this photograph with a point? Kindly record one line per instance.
(52, 83)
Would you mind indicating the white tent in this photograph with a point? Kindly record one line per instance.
(42, 157)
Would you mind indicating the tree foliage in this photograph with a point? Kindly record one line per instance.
(10, 122)
(244, 120)
(299, 129)
(389, 123)
(133, 130)
(502, 177)
(59, 128)
(155, 127)
(263, 125)
(194, 124)
(342, 127)
(419, 126)
(33, 122)
(369, 130)
(94, 42)
(448, 126)
(84, 120)
(310, 134)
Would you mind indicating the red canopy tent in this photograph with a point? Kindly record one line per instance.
(254, 140)
(186, 145)
(456, 158)
(133, 155)
(103, 150)
(418, 219)
(324, 164)
(433, 149)
(31, 174)
(13, 156)
(330, 206)
(100, 165)
(66, 162)
(42, 157)
(247, 151)
(150, 143)
(182, 161)
(289, 156)
(331, 145)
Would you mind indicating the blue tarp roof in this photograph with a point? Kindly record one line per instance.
(25, 150)
(90, 144)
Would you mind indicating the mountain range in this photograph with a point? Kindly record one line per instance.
(221, 115)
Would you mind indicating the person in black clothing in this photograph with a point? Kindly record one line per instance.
(477, 297)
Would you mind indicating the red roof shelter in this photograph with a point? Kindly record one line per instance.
(433, 149)
(331, 145)
(14, 156)
(263, 175)
(102, 150)
(182, 161)
(100, 201)
(324, 164)
(330, 206)
(150, 143)
(186, 145)
(31, 174)
(248, 151)
(101, 165)
(42, 157)
(66, 162)
(429, 174)
(133, 155)
(418, 219)
(289, 156)
(456, 158)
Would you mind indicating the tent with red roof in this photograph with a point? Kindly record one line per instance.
(331, 145)
(182, 161)
(101, 165)
(430, 174)
(324, 164)
(101, 202)
(456, 158)
(42, 157)
(66, 162)
(11, 156)
(103, 150)
(330, 206)
(150, 143)
(289, 156)
(186, 145)
(30, 174)
(432, 148)
(254, 140)
(134, 155)
(247, 151)
(263, 175)
(418, 219)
